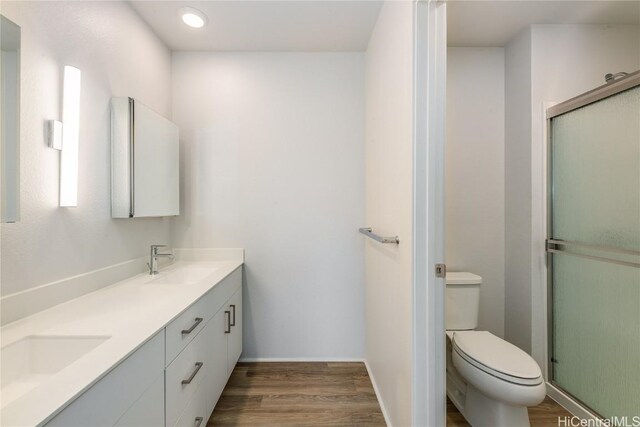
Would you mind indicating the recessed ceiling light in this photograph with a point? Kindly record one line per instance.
(193, 17)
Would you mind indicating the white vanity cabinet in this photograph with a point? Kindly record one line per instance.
(148, 410)
(234, 334)
(177, 377)
(119, 393)
(196, 377)
(198, 409)
(185, 374)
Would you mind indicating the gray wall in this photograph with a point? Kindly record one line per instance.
(273, 162)
(517, 299)
(118, 56)
(474, 174)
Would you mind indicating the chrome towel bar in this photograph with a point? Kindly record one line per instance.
(367, 231)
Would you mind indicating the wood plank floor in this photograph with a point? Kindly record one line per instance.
(321, 394)
(298, 394)
(544, 415)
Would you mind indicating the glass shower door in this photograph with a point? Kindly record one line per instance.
(594, 247)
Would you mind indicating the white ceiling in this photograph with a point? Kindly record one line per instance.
(494, 23)
(265, 25)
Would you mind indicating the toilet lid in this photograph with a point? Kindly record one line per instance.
(462, 278)
(496, 356)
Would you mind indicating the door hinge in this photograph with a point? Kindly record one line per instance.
(441, 270)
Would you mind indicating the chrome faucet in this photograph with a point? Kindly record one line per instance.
(153, 258)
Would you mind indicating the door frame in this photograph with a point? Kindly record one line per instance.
(429, 107)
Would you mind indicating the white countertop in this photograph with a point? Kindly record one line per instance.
(130, 312)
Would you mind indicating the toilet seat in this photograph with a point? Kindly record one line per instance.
(496, 368)
(497, 357)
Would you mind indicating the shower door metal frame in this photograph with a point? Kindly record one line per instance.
(595, 95)
(605, 91)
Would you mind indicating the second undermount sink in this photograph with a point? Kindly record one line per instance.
(29, 362)
(183, 276)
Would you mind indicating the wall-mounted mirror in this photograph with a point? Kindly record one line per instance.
(10, 120)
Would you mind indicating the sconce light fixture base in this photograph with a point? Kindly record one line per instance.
(54, 134)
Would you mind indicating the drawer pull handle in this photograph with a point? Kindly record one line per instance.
(199, 421)
(195, 325)
(227, 327)
(233, 316)
(193, 374)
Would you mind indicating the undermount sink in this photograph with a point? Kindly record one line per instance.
(184, 276)
(32, 360)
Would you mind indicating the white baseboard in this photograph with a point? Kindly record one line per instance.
(568, 403)
(378, 396)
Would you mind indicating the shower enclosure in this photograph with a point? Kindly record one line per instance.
(593, 248)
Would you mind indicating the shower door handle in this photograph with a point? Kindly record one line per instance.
(556, 246)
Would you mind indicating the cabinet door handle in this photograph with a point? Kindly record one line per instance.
(227, 327)
(195, 325)
(233, 322)
(193, 374)
(199, 421)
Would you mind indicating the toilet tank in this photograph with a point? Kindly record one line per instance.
(462, 300)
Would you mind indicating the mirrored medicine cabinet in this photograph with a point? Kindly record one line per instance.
(144, 162)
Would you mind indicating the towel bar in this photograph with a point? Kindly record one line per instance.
(367, 231)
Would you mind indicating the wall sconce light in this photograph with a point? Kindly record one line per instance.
(64, 136)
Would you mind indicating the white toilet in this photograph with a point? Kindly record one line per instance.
(490, 381)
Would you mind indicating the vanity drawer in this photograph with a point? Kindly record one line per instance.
(185, 374)
(185, 327)
(188, 325)
(197, 412)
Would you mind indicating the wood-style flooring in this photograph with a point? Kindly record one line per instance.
(544, 415)
(320, 394)
(298, 394)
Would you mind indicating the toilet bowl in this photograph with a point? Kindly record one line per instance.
(491, 381)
